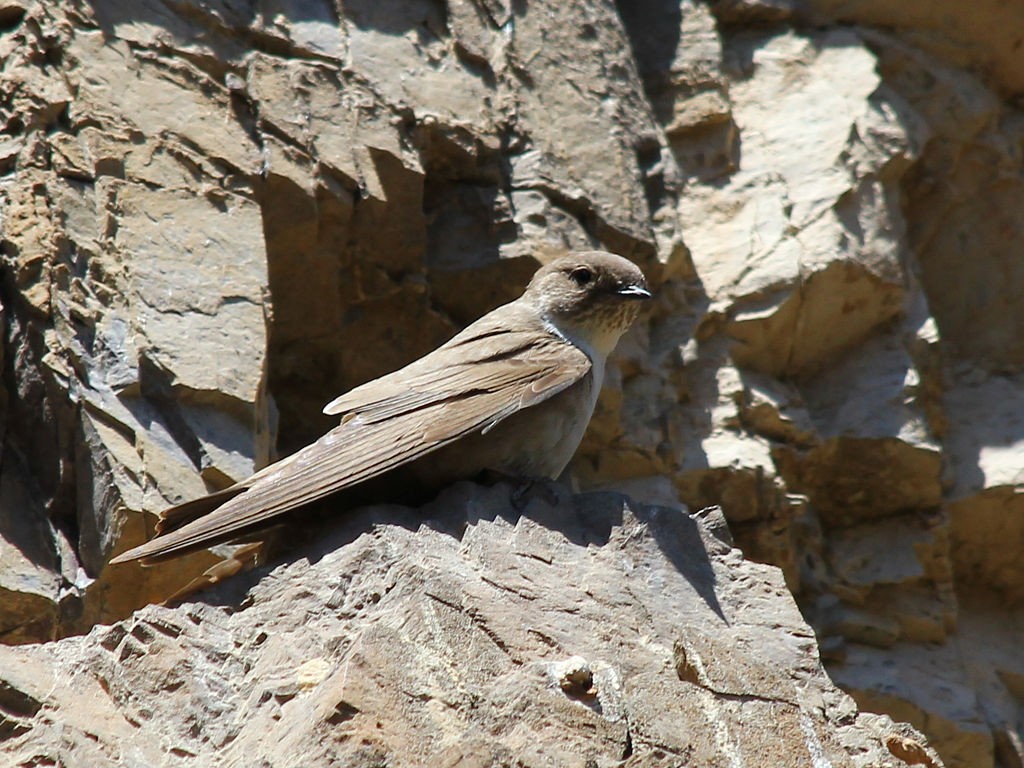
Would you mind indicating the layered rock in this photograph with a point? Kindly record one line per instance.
(217, 216)
(578, 631)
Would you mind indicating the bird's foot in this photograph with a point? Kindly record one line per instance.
(523, 489)
(526, 488)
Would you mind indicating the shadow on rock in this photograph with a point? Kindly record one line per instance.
(596, 519)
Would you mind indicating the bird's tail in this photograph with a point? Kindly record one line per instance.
(181, 515)
(174, 518)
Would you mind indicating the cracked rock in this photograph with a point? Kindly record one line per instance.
(387, 639)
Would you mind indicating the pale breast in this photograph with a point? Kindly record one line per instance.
(551, 432)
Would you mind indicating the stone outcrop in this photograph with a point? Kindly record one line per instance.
(579, 631)
(217, 216)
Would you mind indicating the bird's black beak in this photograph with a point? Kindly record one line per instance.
(634, 292)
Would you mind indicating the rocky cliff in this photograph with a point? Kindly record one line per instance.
(553, 631)
(219, 215)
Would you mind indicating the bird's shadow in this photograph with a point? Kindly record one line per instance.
(585, 520)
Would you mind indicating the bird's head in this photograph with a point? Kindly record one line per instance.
(591, 296)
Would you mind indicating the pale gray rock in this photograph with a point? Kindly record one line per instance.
(30, 579)
(217, 216)
(950, 705)
(984, 446)
(195, 293)
(584, 630)
(982, 33)
(766, 242)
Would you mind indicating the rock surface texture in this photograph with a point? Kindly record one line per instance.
(218, 215)
(584, 631)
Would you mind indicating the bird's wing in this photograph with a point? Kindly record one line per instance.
(435, 402)
(485, 341)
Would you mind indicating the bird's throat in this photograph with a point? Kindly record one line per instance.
(596, 338)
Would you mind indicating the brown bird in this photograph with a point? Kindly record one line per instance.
(512, 394)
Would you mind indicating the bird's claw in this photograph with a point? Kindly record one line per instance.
(526, 488)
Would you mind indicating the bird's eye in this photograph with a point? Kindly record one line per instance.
(581, 276)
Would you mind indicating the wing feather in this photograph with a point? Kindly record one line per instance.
(483, 342)
(391, 422)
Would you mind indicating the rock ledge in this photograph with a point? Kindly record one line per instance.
(491, 627)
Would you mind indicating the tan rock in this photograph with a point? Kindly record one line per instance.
(214, 220)
(778, 244)
(922, 687)
(579, 118)
(30, 577)
(195, 292)
(981, 35)
(984, 455)
(409, 634)
(168, 96)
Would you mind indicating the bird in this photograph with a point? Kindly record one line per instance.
(509, 396)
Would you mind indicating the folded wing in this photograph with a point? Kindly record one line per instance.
(480, 378)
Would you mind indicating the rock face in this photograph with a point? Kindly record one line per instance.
(584, 631)
(216, 216)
